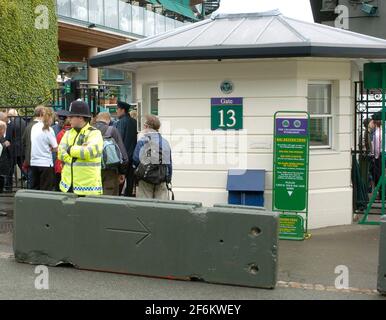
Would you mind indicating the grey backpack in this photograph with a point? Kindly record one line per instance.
(111, 156)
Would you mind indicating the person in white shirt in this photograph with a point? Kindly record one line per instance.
(43, 143)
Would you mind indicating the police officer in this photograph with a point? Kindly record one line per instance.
(80, 151)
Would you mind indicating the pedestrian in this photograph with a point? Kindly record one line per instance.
(17, 125)
(113, 176)
(5, 155)
(61, 115)
(26, 143)
(369, 133)
(127, 127)
(153, 162)
(8, 179)
(43, 144)
(376, 150)
(80, 150)
(58, 165)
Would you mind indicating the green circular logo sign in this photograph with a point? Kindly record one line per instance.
(297, 124)
(285, 123)
(227, 87)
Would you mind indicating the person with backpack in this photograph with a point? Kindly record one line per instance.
(80, 150)
(114, 156)
(152, 161)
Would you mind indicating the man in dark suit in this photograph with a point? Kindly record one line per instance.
(16, 126)
(127, 127)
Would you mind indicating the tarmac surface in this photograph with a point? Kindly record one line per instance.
(307, 270)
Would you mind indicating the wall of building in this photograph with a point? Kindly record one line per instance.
(267, 86)
(361, 22)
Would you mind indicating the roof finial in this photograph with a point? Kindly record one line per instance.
(228, 7)
(218, 15)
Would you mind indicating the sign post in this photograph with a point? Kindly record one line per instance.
(290, 173)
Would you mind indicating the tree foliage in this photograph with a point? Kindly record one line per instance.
(28, 51)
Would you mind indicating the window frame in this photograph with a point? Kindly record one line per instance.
(153, 86)
(329, 116)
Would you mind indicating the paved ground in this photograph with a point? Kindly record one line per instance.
(306, 271)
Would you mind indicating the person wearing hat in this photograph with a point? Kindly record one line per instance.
(65, 126)
(80, 151)
(127, 127)
(60, 119)
(61, 116)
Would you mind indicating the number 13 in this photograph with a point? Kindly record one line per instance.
(232, 116)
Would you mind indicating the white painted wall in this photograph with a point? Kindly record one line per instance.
(267, 86)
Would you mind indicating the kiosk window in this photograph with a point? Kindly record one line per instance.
(319, 107)
(154, 100)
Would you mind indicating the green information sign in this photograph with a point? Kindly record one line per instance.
(291, 227)
(290, 171)
(227, 113)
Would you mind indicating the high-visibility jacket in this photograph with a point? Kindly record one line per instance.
(81, 152)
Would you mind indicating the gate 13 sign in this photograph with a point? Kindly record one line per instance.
(227, 113)
(290, 172)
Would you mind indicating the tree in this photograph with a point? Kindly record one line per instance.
(28, 51)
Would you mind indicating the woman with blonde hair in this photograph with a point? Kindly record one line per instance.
(43, 143)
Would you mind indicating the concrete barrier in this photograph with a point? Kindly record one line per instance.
(222, 205)
(175, 240)
(382, 259)
(42, 227)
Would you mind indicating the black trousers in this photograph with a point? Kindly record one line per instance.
(43, 178)
(2, 183)
(129, 181)
(58, 178)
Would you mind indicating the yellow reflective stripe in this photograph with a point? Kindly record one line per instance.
(82, 156)
(90, 150)
(61, 158)
(63, 147)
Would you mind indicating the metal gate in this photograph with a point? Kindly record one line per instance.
(367, 102)
(99, 97)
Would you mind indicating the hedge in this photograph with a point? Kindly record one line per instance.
(28, 55)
